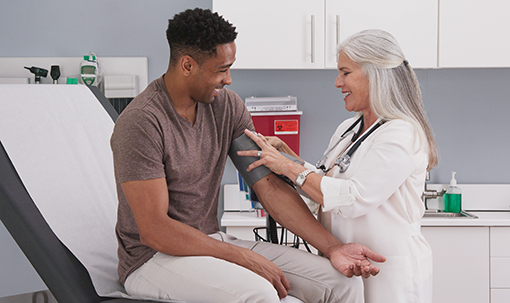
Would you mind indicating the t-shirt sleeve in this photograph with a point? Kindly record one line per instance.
(242, 116)
(137, 147)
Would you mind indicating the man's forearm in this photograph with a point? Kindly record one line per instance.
(285, 205)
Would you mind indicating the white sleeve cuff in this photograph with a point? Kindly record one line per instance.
(310, 166)
(336, 195)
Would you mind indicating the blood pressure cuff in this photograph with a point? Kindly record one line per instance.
(244, 142)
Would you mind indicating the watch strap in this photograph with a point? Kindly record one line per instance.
(301, 178)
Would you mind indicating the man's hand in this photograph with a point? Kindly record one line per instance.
(268, 270)
(352, 259)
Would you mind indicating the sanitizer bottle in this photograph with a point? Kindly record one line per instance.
(453, 197)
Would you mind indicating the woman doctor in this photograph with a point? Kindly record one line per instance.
(370, 180)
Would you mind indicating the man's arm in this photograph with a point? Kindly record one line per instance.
(148, 200)
(286, 206)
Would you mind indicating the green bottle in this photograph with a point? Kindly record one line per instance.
(453, 197)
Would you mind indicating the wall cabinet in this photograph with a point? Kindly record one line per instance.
(474, 33)
(286, 34)
(461, 263)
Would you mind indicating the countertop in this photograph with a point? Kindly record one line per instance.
(485, 218)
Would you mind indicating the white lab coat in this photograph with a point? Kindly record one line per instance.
(377, 203)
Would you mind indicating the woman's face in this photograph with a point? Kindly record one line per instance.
(354, 85)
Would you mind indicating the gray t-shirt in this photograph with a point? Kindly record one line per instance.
(150, 140)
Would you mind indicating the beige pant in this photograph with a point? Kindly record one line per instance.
(207, 279)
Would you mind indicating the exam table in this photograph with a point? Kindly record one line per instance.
(57, 188)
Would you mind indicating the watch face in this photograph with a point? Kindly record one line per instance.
(300, 179)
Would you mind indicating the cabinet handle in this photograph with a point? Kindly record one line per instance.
(337, 35)
(337, 30)
(313, 38)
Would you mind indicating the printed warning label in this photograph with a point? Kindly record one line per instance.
(286, 127)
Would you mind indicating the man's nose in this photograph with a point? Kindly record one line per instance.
(228, 78)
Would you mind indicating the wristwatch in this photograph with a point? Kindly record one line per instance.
(301, 178)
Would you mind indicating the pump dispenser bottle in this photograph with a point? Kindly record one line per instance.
(453, 197)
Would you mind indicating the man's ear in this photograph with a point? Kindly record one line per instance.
(187, 64)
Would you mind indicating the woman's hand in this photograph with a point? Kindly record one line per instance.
(269, 156)
(281, 146)
(274, 141)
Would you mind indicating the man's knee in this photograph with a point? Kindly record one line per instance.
(344, 289)
(351, 290)
(318, 281)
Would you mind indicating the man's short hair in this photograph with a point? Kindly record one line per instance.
(197, 32)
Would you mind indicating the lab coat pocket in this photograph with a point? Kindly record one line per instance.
(394, 283)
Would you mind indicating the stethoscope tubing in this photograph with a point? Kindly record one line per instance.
(344, 161)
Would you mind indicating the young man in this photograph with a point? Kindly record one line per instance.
(170, 146)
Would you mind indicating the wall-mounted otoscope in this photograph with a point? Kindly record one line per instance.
(55, 73)
(38, 72)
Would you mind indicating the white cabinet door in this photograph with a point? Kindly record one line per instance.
(276, 34)
(474, 33)
(500, 269)
(500, 242)
(412, 22)
(461, 263)
(500, 264)
(500, 295)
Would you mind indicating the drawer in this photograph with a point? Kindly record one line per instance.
(500, 295)
(500, 242)
(500, 267)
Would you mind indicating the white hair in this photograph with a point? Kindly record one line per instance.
(393, 87)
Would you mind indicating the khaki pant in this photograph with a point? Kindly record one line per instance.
(206, 279)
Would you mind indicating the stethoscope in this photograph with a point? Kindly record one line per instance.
(343, 161)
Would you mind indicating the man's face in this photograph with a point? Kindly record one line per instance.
(213, 74)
